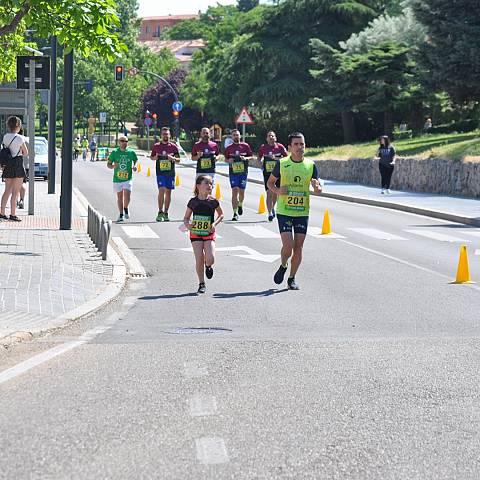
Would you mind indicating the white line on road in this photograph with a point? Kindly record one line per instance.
(139, 231)
(133, 264)
(474, 233)
(477, 252)
(195, 370)
(441, 237)
(44, 357)
(251, 253)
(378, 234)
(405, 262)
(257, 231)
(317, 233)
(202, 405)
(211, 450)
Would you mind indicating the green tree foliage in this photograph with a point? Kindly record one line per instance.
(86, 25)
(452, 53)
(247, 5)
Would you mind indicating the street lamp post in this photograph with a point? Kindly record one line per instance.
(52, 117)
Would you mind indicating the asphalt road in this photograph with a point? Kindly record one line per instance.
(370, 371)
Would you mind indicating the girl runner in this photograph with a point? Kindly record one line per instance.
(202, 227)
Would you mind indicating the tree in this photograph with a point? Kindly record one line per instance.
(452, 52)
(86, 25)
(247, 5)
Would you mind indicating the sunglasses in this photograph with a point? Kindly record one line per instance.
(125, 141)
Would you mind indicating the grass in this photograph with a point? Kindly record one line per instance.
(455, 146)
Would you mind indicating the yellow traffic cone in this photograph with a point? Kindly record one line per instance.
(218, 193)
(326, 227)
(177, 180)
(463, 271)
(139, 168)
(261, 204)
(148, 172)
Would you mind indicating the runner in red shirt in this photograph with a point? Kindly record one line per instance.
(237, 155)
(270, 154)
(166, 155)
(205, 153)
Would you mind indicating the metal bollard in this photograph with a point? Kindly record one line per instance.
(106, 236)
(101, 234)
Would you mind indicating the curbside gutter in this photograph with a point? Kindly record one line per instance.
(113, 289)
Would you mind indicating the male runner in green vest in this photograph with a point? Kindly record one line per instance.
(296, 174)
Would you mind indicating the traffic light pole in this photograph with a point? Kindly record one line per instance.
(52, 117)
(31, 134)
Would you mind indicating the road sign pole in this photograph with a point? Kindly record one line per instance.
(243, 132)
(148, 138)
(67, 142)
(52, 118)
(31, 133)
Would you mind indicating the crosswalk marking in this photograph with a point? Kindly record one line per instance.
(257, 231)
(474, 233)
(477, 252)
(139, 231)
(441, 237)
(317, 233)
(378, 234)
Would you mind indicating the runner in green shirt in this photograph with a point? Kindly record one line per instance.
(123, 161)
(296, 174)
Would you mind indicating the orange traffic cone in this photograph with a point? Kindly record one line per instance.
(261, 204)
(326, 227)
(177, 180)
(139, 168)
(463, 270)
(148, 172)
(218, 193)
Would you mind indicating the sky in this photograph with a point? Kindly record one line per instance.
(150, 8)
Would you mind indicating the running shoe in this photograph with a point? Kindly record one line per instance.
(3, 217)
(20, 204)
(165, 217)
(240, 210)
(389, 191)
(279, 275)
(201, 288)
(127, 215)
(270, 217)
(14, 218)
(208, 272)
(235, 218)
(292, 284)
(120, 218)
(383, 191)
(159, 217)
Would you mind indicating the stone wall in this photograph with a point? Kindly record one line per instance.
(431, 175)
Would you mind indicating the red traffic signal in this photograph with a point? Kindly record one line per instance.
(118, 73)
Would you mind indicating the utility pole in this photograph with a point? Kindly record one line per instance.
(67, 145)
(52, 118)
(31, 134)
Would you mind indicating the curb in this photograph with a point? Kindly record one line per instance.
(113, 289)
(451, 217)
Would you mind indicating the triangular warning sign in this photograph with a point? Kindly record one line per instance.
(244, 117)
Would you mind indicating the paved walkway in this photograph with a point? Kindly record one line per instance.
(47, 276)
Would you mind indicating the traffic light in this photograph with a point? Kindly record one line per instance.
(176, 114)
(118, 73)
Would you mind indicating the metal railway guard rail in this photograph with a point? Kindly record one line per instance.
(98, 229)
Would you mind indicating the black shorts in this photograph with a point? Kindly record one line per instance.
(266, 176)
(287, 223)
(14, 169)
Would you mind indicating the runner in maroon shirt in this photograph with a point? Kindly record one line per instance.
(166, 155)
(237, 155)
(205, 153)
(270, 154)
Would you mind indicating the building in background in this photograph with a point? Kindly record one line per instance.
(182, 49)
(151, 28)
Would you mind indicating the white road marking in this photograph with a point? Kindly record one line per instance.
(46, 356)
(202, 405)
(257, 231)
(378, 234)
(139, 231)
(477, 252)
(195, 370)
(133, 264)
(441, 237)
(317, 233)
(211, 450)
(474, 233)
(405, 262)
(251, 253)
(129, 301)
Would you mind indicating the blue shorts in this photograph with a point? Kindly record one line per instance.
(287, 223)
(239, 181)
(164, 181)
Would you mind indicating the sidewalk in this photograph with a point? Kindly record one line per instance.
(49, 277)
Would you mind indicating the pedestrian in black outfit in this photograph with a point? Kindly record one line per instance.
(386, 155)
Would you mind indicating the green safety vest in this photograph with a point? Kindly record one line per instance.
(296, 176)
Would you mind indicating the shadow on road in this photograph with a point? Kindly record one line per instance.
(159, 297)
(264, 293)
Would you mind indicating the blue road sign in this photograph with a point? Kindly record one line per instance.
(177, 106)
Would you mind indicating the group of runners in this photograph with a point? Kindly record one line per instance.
(288, 177)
